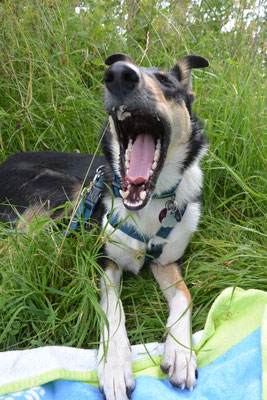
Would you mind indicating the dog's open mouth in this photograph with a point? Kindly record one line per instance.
(143, 147)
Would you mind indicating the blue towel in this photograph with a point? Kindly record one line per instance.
(235, 375)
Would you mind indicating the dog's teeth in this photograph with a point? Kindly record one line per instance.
(127, 170)
(124, 194)
(158, 146)
(154, 165)
(130, 144)
(127, 163)
(122, 114)
(135, 204)
(142, 195)
(150, 172)
(156, 155)
(128, 154)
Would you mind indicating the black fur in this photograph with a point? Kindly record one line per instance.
(31, 178)
(197, 143)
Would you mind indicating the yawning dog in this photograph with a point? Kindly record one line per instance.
(149, 203)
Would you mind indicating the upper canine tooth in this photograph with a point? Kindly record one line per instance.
(142, 195)
(154, 165)
(122, 114)
(124, 194)
(156, 155)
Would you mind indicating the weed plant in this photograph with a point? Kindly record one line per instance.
(51, 81)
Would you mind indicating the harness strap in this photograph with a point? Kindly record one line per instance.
(88, 201)
(171, 192)
(132, 232)
(128, 230)
(155, 250)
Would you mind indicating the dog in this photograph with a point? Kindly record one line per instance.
(149, 204)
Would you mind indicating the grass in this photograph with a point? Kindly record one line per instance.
(51, 68)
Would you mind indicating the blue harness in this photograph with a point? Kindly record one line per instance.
(90, 198)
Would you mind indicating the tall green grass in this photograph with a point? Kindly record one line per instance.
(51, 69)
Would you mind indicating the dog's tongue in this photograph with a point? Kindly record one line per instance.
(141, 160)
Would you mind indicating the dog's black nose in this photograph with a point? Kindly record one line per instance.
(121, 78)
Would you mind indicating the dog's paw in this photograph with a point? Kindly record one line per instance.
(115, 375)
(180, 365)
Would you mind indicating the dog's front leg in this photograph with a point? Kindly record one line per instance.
(179, 359)
(114, 356)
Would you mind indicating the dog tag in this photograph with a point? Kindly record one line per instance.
(169, 221)
(162, 214)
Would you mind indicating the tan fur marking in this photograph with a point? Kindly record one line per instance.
(149, 82)
(44, 210)
(31, 213)
(179, 119)
(170, 279)
(111, 265)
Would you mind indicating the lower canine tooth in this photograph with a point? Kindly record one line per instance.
(124, 194)
(142, 195)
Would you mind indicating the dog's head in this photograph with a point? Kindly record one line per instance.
(149, 114)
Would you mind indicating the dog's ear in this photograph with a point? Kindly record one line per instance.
(118, 57)
(182, 70)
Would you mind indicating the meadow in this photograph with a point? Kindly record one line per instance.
(51, 80)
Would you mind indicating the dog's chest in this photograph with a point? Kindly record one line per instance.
(127, 251)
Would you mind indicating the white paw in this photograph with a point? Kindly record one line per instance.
(115, 376)
(156, 240)
(180, 365)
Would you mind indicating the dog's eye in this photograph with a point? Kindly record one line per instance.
(164, 80)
